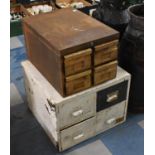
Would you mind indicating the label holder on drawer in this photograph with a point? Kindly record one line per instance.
(79, 136)
(112, 96)
(77, 113)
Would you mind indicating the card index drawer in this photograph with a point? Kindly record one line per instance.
(77, 110)
(110, 117)
(77, 62)
(77, 133)
(105, 72)
(105, 52)
(78, 82)
(112, 95)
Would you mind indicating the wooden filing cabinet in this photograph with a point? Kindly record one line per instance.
(69, 48)
(73, 119)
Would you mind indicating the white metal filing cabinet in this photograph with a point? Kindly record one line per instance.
(73, 119)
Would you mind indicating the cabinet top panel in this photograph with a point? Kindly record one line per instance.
(68, 31)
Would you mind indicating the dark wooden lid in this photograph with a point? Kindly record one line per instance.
(67, 30)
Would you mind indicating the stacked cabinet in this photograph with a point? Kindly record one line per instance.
(73, 119)
(73, 51)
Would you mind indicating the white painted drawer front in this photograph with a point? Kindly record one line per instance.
(77, 133)
(110, 117)
(77, 110)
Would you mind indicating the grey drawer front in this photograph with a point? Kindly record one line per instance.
(110, 117)
(77, 133)
(112, 95)
(77, 110)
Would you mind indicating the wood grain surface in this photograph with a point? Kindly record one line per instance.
(105, 52)
(68, 31)
(105, 72)
(77, 62)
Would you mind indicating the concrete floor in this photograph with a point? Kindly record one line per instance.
(28, 138)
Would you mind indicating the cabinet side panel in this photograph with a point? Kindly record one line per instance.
(37, 103)
(44, 58)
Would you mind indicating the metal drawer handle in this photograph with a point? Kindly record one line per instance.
(77, 113)
(112, 96)
(78, 137)
(111, 121)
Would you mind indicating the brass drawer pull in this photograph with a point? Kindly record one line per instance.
(111, 121)
(78, 136)
(77, 113)
(112, 96)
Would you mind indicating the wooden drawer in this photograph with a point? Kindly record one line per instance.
(110, 117)
(77, 133)
(82, 108)
(77, 62)
(112, 95)
(105, 72)
(78, 82)
(105, 52)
